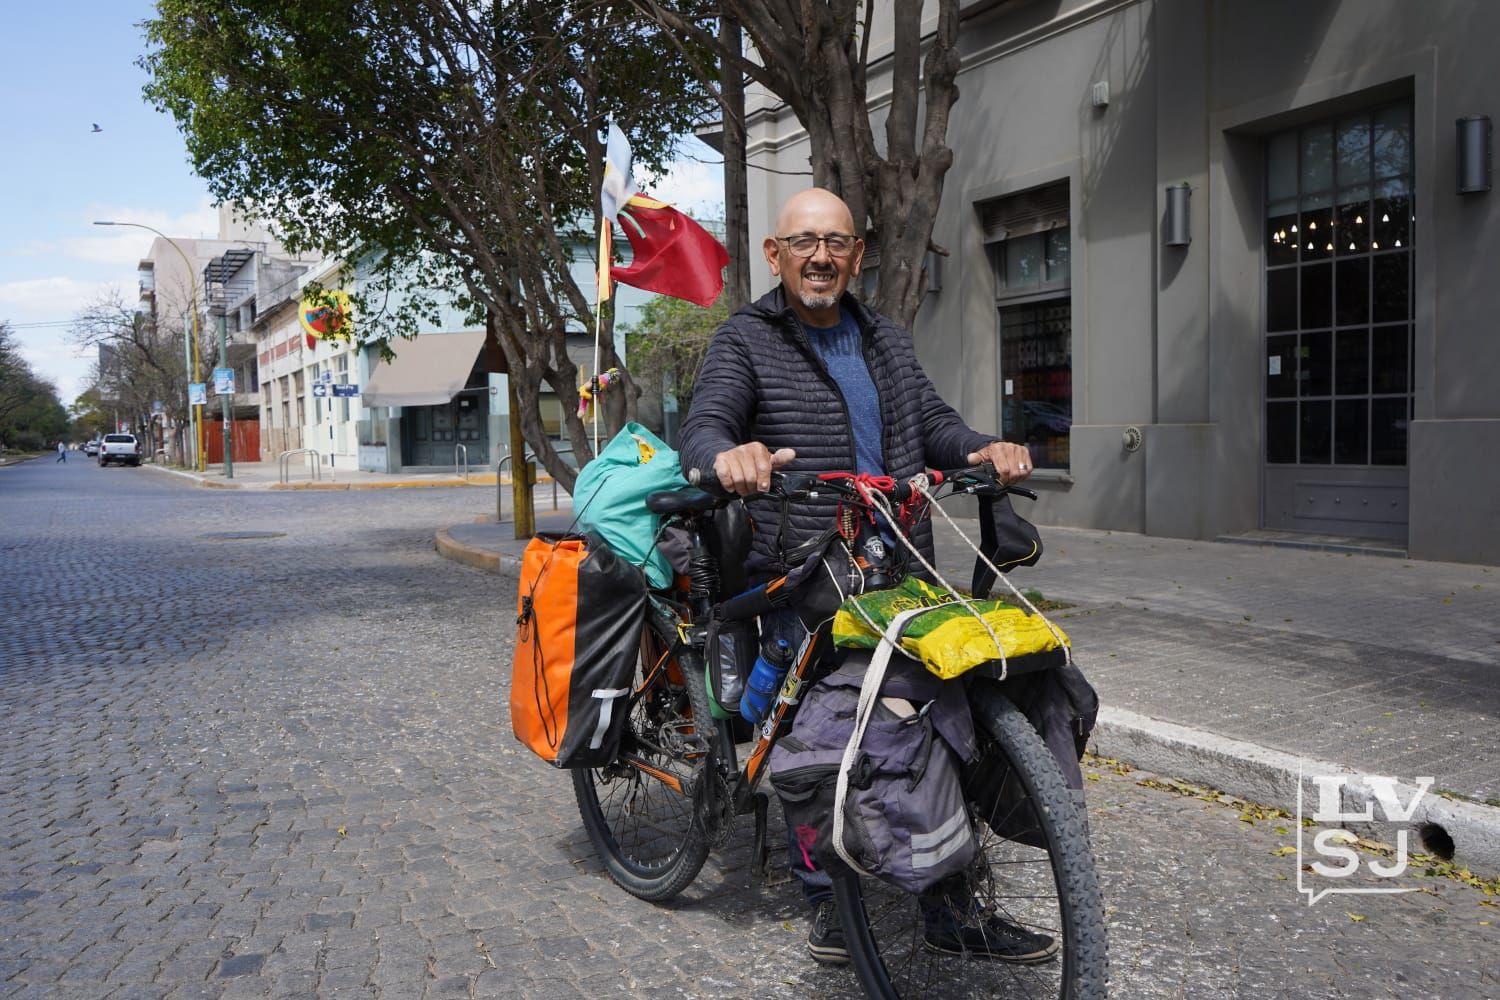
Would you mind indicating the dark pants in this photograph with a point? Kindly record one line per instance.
(817, 887)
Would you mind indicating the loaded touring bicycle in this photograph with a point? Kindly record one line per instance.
(934, 775)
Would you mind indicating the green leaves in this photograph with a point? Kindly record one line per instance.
(451, 152)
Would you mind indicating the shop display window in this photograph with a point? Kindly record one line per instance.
(1338, 302)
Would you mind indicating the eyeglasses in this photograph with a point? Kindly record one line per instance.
(806, 244)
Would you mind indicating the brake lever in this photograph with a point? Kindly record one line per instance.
(982, 489)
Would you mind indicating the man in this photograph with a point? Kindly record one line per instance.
(62, 453)
(808, 378)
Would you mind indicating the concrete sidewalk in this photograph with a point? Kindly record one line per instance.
(267, 476)
(1238, 666)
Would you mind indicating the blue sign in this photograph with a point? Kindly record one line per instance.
(320, 390)
(197, 394)
(223, 381)
(346, 390)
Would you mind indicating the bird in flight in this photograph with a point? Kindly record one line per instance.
(96, 128)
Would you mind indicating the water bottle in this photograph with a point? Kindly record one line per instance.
(765, 679)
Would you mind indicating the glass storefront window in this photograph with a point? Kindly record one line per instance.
(1036, 361)
(1338, 301)
(1033, 267)
(1023, 262)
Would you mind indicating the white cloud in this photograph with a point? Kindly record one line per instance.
(694, 182)
(49, 299)
(128, 244)
(53, 300)
(54, 357)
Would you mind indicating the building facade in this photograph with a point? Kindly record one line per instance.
(1214, 262)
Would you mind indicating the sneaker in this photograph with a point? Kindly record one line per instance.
(989, 937)
(825, 938)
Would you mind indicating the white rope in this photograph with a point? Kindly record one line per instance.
(880, 503)
(868, 692)
(932, 502)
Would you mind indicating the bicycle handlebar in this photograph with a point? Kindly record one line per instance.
(976, 479)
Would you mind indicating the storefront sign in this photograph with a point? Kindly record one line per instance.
(326, 316)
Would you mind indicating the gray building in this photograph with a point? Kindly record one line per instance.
(1316, 356)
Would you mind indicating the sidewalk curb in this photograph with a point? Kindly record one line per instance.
(194, 477)
(1246, 770)
(1270, 777)
(215, 483)
(499, 563)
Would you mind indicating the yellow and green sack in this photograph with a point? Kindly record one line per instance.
(948, 640)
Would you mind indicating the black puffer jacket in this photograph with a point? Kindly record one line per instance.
(762, 381)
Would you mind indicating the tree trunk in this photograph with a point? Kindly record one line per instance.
(814, 55)
(736, 198)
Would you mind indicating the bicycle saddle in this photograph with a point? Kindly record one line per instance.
(688, 501)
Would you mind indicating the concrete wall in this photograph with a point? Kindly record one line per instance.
(1169, 340)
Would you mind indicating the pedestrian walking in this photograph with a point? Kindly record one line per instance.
(62, 452)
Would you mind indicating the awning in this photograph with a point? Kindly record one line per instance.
(425, 372)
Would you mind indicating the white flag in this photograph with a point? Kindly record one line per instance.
(618, 186)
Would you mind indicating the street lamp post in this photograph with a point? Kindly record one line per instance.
(224, 396)
(196, 409)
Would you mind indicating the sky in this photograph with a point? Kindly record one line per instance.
(64, 70)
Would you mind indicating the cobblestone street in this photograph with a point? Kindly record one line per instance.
(281, 765)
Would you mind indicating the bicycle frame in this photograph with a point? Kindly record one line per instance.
(678, 624)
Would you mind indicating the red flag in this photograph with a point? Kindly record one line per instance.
(671, 254)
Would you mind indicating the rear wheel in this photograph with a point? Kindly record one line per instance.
(1033, 871)
(644, 811)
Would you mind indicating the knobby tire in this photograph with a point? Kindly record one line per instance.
(651, 838)
(1053, 890)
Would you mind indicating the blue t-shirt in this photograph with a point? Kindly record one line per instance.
(843, 354)
(840, 348)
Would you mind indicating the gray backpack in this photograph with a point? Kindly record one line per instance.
(868, 775)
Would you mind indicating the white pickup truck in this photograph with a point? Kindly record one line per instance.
(120, 448)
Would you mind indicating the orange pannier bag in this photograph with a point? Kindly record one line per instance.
(579, 614)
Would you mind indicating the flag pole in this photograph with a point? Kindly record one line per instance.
(601, 294)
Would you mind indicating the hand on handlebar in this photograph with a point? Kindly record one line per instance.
(1012, 462)
(747, 468)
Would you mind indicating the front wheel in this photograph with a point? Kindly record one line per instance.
(644, 812)
(1025, 919)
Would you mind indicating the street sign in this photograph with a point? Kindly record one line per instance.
(223, 381)
(197, 393)
(157, 406)
(346, 390)
(320, 390)
(325, 377)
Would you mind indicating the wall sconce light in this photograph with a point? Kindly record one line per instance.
(1475, 138)
(934, 268)
(1179, 223)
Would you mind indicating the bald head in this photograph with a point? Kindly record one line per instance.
(814, 283)
(805, 209)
